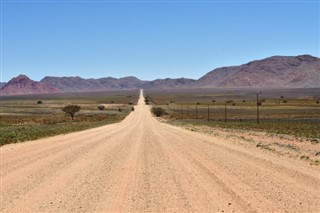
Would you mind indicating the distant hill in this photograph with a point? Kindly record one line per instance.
(276, 71)
(169, 83)
(77, 84)
(273, 72)
(24, 85)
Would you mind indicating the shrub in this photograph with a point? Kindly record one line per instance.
(130, 103)
(132, 108)
(146, 100)
(39, 102)
(158, 111)
(119, 109)
(101, 107)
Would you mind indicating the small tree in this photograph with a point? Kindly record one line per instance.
(158, 111)
(71, 110)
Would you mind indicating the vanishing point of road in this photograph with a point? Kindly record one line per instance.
(143, 165)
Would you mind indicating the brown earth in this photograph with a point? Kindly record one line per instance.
(143, 165)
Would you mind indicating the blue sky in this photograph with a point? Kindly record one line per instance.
(150, 39)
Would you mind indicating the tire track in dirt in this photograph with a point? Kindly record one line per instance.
(255, 177)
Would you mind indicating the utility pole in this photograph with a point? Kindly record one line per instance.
(258, 119)
(196, 111)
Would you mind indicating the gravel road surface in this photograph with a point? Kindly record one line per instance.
(143, 165)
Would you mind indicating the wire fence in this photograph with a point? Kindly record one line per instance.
(229, 112)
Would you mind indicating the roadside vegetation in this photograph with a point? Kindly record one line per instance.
(300, 130)
(158, 111)
(23, 118)
(293, 112)
(71, 110)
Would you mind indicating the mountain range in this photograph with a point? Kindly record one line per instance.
(273, 72)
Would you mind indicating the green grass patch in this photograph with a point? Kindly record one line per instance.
(39, 128)
(14, 134)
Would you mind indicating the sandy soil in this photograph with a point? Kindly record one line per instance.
(143, 165)
(289, 145)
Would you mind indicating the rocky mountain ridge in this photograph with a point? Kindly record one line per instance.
(273, 72)
(24, 85)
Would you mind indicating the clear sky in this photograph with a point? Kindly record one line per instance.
(150, 39)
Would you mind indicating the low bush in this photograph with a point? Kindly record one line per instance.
(101, 107)
(158, 111)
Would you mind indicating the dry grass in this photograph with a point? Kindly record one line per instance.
(22, 119)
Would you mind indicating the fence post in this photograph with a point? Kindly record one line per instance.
(182, 110)
(187, 111)
(258, 119)
(225, 112)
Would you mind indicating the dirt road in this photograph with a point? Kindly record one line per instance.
(143, 165)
